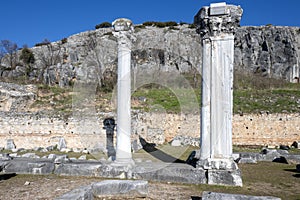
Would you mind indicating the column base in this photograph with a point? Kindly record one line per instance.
(128, 162)
(221, 171)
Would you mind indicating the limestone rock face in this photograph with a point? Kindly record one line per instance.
(15, 97)
(270, 51)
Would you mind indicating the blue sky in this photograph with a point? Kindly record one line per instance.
(31, 21)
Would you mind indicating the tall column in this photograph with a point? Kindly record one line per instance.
(122, 30)
(216, 25)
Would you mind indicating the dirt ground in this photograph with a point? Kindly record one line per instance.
(25, 187)
(261, 179)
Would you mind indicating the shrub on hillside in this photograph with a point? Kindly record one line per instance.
(27, 56)
(160, 24)
(103, 25)
(44, 42)
(64, 40)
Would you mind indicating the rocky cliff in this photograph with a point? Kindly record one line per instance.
(268, 50)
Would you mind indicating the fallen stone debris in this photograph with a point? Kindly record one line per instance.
(213, 195)
(108, 188)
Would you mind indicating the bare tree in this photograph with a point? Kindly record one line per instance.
(49, 54)
(9, 52)
(2, 54)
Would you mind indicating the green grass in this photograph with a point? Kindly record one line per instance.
(251, 94)
(263, 179)
(178, 100)
(267, 100)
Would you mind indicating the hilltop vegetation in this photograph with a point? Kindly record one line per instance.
(252, 94)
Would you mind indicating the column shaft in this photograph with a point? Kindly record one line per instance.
(123, 150)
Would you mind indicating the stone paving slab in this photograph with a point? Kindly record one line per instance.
(216, 196)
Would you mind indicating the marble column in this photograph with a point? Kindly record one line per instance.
(216, 25)
(122, 31)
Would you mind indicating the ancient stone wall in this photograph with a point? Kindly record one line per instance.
(33, 130)
(266, 129)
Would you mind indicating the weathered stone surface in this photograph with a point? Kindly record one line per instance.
(270, 154)
(61, 144)
(221, 171)
(81, 193)
(30, 155)
(224, 177)
(78, 168)
(167, 172)
(292, 159)
(29, 166)
(10, 144)
(122, 188)
(214, 196)
(60, 159)
(246, 161)
(15, 97)
(5, 157)
(266, 50)
(43, 131)
(214, 25)
(180, 140)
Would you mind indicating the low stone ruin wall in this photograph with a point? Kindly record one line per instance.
(33, 130)
(266, 129)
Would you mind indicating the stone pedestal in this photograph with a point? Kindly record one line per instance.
(122, 30)
(216, 25)
(221, 171)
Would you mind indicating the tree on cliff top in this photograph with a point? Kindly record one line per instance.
(9, 52)
(28, 59)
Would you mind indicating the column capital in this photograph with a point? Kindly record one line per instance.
(122, 24)
(218, 19)
(123, 30)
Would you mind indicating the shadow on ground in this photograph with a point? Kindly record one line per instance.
(7, 176)
(157, 153)
(297, 174)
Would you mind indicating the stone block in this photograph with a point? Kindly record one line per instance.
(214, 195)
(246, 161)
(138, 189)
(252, 156)
(30, 155)
(217, 164)
(78, 169)
(61, 159)
(176, 143)
(29, 166)
(83, 157)
(224, 177)
(293, 159)
(81, 193)
(167, 172)
(10, 145)
(136, 145)
(235, 156)
(5, 157)
(61, 143)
